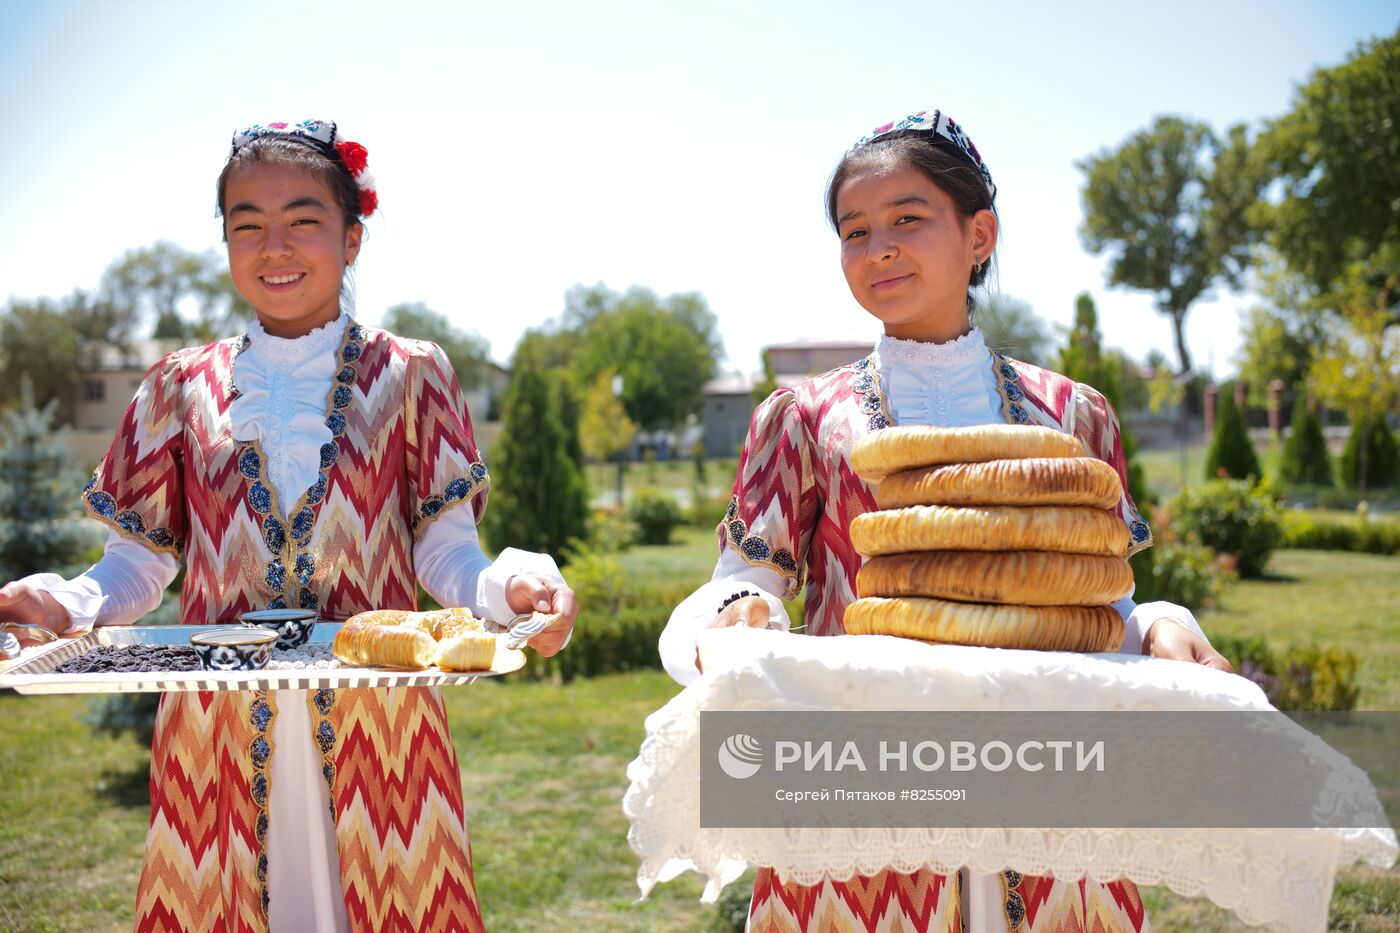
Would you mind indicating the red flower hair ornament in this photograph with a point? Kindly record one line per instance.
(322, 136)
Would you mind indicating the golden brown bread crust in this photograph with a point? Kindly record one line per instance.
(1042, 628)
(1023, 578)
(381, 617)
(381, 644)
(892, 450)
(445, 623)
(1085, 481)
(1066, 529)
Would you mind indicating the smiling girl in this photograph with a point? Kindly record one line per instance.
(317, 463)
(913, 207)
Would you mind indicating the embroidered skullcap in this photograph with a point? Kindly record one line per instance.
(934, 121)
(320, 135)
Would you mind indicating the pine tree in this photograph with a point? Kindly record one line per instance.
(1381, 462)
(1305, 458)
(1231, 450)
(39, 495)
(539, 500)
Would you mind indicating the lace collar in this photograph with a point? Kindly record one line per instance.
(969, 348)
(292, 351)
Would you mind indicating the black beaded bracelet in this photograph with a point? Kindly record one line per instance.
(734, 599)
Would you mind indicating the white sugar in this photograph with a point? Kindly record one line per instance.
(315, 656)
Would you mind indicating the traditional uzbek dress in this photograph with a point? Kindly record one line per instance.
(334, 472)
(790, 517)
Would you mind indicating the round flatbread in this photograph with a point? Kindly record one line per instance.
(1085, 481)
(1022, 578)
(1041, 628)
(1065, 529)
(891, 450)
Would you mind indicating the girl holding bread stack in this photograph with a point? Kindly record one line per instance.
(312, 463)
(913, 205)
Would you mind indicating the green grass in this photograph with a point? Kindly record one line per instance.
(676, 477)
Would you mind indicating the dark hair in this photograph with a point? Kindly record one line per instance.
(281, 150)
(942, 162)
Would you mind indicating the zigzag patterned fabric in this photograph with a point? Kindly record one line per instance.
(794, 500)
(176, 479)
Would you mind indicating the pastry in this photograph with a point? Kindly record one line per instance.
(1085, 481)
(468, 651)
(881, 453)
(1067, 529)
(384, 644)
(445, 623)
(1026, 578)
(1044, 628)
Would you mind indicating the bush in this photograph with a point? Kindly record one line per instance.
(610, 530)
(1374, 537)
(1305, 458)
(1303, 679)
(655, 514)
(1382, 457)
(1229, 517)
(1231, 451)
(707, 511)
(1183, 572)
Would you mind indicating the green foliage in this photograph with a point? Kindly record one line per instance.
(469, 353)
(1179, 571)
(159, 283)
(767, 385)
(604, 428)
(1382, 459)
(1318, 534)
(1169, 203)
(611, 531)
(1011, 326)
(1336, 157)
(39, 496)
(1305, 457)
(539, 500)
(1300, 679)
(732, 908)
(1083, 359)
(665, 349)
(1231, 451)
(1230, 517)
(655, 514)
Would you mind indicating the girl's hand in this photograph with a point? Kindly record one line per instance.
(1167, 639)
(529, 593)
(26, 605)
(750, 611)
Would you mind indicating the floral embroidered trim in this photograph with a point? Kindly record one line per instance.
(475, 481)
(288, 540)
(261, 713)
(102, 506)
(320, 703)
(1014, 905)
(870, 397)
(757, 552)
(1138, 530)
(1009, 388)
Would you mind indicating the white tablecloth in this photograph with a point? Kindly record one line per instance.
(1279, 877)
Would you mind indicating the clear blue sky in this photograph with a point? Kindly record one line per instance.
(523, 148)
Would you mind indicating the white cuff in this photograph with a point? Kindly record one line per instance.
(694, 615)
(81, 597)
(494, 580)
(1138, 618)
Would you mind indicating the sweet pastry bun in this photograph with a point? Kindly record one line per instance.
(468, 651)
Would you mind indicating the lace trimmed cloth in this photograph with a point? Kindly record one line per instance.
(1277, 877)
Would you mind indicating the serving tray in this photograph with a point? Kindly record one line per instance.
(33, 671)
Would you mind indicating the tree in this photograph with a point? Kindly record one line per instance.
(604, 428)
(1281, 336)
(39, 493)
(1170, 204)
(188, 296)
(1358, 367)
(1084, 360)
(1370, 458)
(1011, 326)
(38, 350)
(1231, 451)
(469, 353)
(539, 496)
(1336, 158)
(665, 349)
(1305, 457)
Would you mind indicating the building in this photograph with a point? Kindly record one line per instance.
(728, 401)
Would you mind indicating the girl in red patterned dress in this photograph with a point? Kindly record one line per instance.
(314, 463)
(913, 206)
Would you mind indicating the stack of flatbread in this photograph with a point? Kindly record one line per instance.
(453, 639)
(1001, 536)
